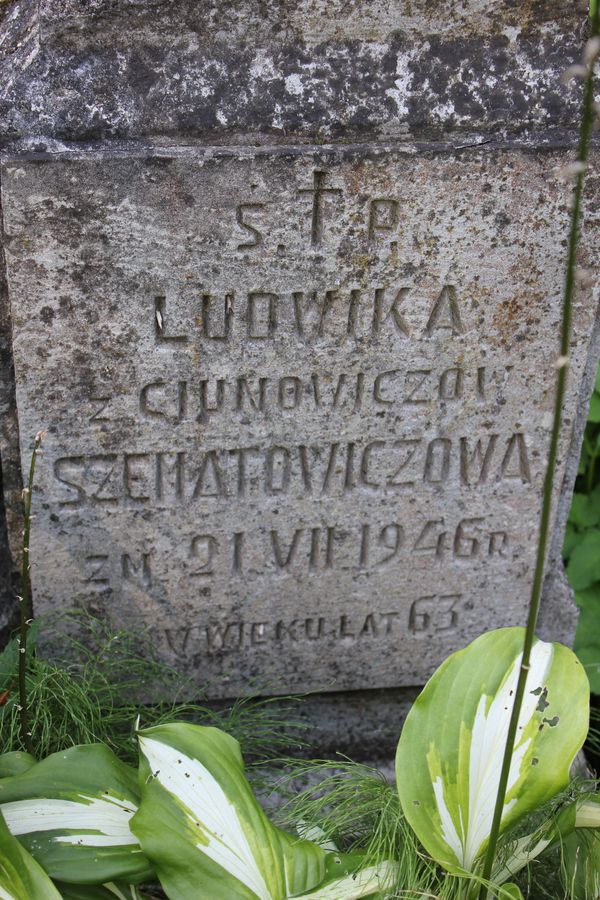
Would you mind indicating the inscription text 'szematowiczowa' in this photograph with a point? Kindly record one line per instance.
(297, 402)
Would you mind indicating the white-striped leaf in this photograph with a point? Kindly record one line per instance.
(450, 752)
(581, 864)
(72, 812)
(203, 829)
(581, 851)
(375, 880)
(21, 877)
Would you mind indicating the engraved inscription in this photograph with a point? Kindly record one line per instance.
(427, 615)
(209, 399)
(310, 550)
(300, 425)
(180, 476)
(243, 212)
(318, 191)
(314, 316)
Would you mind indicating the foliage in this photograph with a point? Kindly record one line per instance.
(89, 687)
(581, 548)
(87, 819)
(203, 828)
(450, 751)
(72, 812)
(21, 878)
(190, 815)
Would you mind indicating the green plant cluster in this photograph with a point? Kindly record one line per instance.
(82, 824)
(581, 549)
(90, 684)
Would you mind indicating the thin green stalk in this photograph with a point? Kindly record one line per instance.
(587, 122)
(25, 601)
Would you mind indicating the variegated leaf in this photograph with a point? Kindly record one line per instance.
(110, 891)
(72, 811)
(369, 881)
(204, 830)
(21, 877)
(581, 852)
(450, 752)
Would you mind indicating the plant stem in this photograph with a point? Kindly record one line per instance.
(587, 122)
(25, 601)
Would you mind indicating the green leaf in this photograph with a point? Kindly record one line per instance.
(9, 662)
(202, 827)
(511, 892)
(584, 563)
(375, 880)
(589, 599)
(581, 864)
(527, 848)
(583, 461)
(21, 878)
(594, 412)
(15, 763)
(588, 812)
(9, 657)
(451, 747)
(72, 812)
(585, 510)
(587, 645)
(110, 891)
(572, 538)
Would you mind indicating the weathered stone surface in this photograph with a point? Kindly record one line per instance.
(298, 399)
(262, 70)
(145, 143)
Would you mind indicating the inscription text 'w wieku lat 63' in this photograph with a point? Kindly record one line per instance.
(297, 401)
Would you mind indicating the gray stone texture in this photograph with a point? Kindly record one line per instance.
(284, 283)
(266, 70)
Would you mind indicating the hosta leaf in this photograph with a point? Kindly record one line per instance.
(15, 763)
(524, 850)
(581, 851)
(21, 878)
(72, 812)
(370, 881)
(110, 891)
(202, 827)
(581, 864)
(450, 750)
(588, 812)
(583, 461)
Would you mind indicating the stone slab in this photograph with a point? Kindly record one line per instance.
(297, 400)
(263, 70)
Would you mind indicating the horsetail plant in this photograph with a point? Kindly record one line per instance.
(25, 612)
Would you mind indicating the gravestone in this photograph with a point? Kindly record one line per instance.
(284, 285)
